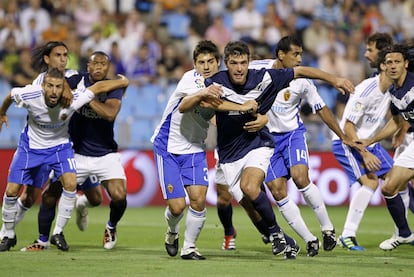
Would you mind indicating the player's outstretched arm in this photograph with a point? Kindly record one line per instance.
(108, 85)
(7, 101)
(392, 126)
(342, 84)
(210, 94)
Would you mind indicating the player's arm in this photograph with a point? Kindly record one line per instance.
(67, 95)
(257, 124)
(107, 110)
(341, 84)
(399, 136)
(211, 94)
(7, 101)
(389, 129)
(250, 106)
(108, 85)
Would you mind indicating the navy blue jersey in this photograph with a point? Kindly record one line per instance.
(91, 134)
(233, 142)
(402, 99)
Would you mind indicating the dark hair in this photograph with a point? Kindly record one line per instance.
(206, 47)
(54, 73)
(236, 48)
(381, 40)
(38, 62)
(286, 42)
(405, 50)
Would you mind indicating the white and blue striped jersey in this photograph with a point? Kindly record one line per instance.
(182, 133)
(366, 108)
(46, 127)
(284, 116)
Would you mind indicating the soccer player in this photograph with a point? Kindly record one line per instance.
(291, 152)
(363, 117)
(396, 61)
(96, 157)
(244, 156)
(45, 144)
(53, 54)
(179, 150)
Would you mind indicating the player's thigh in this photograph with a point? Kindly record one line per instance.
(116, 188)
(397, 180)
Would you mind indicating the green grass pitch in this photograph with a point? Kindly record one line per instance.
(140, 249)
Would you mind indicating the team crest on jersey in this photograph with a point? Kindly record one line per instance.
(170, 188)
(357, 107)
(199, 83)
(286, 95)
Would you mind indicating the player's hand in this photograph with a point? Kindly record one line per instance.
(257, 124)
(67, 95)
(344, 85)
(363, 142)
(250, 106)
(4, 119)
(357, 145)
(124, 79)
(372, 163)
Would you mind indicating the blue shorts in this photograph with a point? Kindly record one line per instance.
(31, 167)
(90, 182)
(290, 150)
(175, 172)
(352, 161)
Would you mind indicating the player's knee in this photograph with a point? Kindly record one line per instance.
(49, 200)
(389, 190)
(301, 181)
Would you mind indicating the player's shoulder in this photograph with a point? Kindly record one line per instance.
(259, 64)
(367, 86)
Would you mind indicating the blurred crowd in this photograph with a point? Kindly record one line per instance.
(151, 43)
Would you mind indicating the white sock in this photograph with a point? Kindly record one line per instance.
(172, 221)
(359, 203)
(193, 225)
(21, 211)
(9, 211)
(291, 214)
(65, 207)
(313, 198)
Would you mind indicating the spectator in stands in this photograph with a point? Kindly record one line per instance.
(41, 15)
(170, 65)
(247, 30)
(218, 32)
(141, 68)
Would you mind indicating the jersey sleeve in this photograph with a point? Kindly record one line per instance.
(357, 107)
(310, 94)
(21, 94)
(81, 97)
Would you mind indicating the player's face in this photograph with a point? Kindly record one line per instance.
(396, 67)
(206, 65)
(371, 54)
(98, 67)
(58, 58)
(237, 66)
(293, 57)
(53, 89)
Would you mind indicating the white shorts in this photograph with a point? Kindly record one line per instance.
(104, 168)
(406, 157)
(259, 158)
(408, 138)
(220, 179)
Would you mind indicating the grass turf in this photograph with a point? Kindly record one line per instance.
(140, 249)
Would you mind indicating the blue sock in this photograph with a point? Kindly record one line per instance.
(262, 227)
(225, 214)
(45, 219)
(264, 208)
(117, 209)
(411, 193)
(396, 208)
